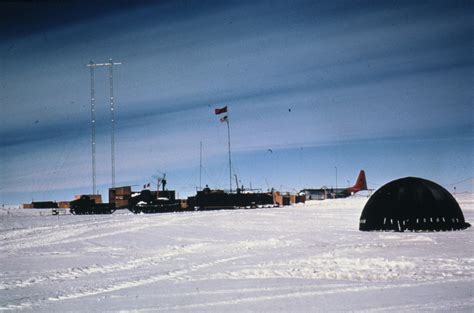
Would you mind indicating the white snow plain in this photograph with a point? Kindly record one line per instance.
(303, 258)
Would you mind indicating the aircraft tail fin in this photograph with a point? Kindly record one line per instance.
(361, 183)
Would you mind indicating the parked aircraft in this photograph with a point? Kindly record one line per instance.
(333, 193)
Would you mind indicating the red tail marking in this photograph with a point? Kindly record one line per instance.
(361, 183)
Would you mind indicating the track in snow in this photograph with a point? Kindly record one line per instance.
(301, 258)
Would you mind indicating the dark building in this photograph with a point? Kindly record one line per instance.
(45, 205)
(209, 199)
(412, 204)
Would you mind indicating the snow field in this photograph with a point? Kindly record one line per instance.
(304, 258)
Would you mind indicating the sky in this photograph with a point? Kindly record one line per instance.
(316, 91)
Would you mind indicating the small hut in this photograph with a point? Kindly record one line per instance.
(412, 204)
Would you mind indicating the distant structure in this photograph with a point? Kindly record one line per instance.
(333, 193)
(412, 204)
(41, 205)
(92, 66)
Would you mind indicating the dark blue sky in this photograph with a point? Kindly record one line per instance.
(383, 86)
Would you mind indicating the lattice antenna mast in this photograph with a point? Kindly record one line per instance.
(93, 65)
(200, 166)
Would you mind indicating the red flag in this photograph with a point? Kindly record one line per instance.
(224, 119)
(221, 110)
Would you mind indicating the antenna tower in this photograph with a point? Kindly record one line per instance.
(92, 66)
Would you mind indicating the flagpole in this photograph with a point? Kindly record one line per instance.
(218, 111)
(230, 162)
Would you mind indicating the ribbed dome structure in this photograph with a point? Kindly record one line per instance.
(412, 204)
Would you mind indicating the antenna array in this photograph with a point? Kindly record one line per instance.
(92, 66)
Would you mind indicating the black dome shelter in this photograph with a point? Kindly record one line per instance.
(412, 204)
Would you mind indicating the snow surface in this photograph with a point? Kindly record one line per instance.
(304, 258)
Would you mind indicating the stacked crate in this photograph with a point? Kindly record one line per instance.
(63, 204)
(297, 199)
(120, 196)
(281, 199)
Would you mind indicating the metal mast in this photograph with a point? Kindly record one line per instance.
(230, 162)
(92, 65)
(200, 166)
(112, 119)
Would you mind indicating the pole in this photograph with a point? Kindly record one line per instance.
(200, 165)
(336, 175)
(230, 162)
(93, 126)
(112, 119)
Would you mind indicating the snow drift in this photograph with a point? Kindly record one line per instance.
(303, 258)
